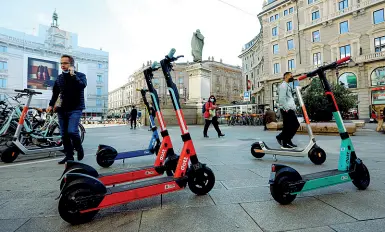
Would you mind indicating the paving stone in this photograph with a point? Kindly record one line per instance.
(185, 198)
(316, 229)
(361, 205)
(11, 225)
(26, 208)
(27, 194)
(370, 225)
(240, 195)
(271, 216)
(210, 218)
(245, 183)
(144, 204)
(117, 222)
(235, 174)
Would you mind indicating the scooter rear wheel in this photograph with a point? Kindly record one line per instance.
(257, 155)
(103, 161)
(202, 181)
(362, 179)
(69, 209)
(279, 190)
(317, 155)
(10, 154)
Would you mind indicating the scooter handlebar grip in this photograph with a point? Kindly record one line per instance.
(343, 60)
(302, 77)
(171, 53)
(155, 65)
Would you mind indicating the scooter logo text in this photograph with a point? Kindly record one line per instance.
(169, 186)
(185, 161)
(162, 154)
(344, 177)
(149, 173)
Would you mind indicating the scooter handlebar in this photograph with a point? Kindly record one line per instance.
(155, 65)
(171, 54)
(343, 60)
(302, 77)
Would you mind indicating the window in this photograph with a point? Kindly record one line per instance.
(2, 97)
(378, 76)
(285, 12)
(290, 64)
(317, 58)
(181, 91)
(275, 49)
(348, 79)
(315, 15)
(98, 102)
(272, 18)
(276, 16)
(378, 16)
(99, 91)
(270, 1)
(311, 1)
(289, 26)
(343, 4)
(181, 80)
(100, 66)
(344, 27)
(3, 83)
(291, 10)
(3, 65)
(344, 51)
(274, 31)
(3, 48)
(290, 44)
(99, 78)
(316, 36)
(276, 68)
(379, 44)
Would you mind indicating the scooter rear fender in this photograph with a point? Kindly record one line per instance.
(74, 166)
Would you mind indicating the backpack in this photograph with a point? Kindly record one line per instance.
(204, 108)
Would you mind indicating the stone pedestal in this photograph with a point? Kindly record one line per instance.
(199, 83)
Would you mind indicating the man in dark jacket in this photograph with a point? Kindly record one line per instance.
(133, 115)
(70, 85)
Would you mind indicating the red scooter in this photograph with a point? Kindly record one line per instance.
(82, 198)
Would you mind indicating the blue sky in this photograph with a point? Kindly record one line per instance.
(134, 31)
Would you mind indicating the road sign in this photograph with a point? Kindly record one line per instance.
(246, 96)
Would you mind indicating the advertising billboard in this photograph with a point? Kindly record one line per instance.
(378, 96)
(42, 74)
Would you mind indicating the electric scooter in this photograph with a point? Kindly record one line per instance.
(285, 182)
(106, 155)
(166, 160)
(16, 147)
(81, 200)
(316, 154)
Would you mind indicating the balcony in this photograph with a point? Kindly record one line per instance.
(371, 57)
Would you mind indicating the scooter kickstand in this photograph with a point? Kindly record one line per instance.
(275, 158)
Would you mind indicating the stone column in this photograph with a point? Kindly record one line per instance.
(199, 87)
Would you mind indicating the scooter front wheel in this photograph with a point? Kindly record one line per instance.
(256, 154)
(317, 155)
(279, 190)
(10, 154)
(201, 181)
(362, 179)
(69, 206)
(104, 160)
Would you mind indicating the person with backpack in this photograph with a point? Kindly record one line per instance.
(209, 113)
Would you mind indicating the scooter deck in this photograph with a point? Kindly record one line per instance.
(131, 154)
(138, 185)
(322, 174)
(283, 150)
(128, 175)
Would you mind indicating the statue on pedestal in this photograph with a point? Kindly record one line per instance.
(197, 43)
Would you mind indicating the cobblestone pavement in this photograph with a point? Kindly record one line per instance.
(240, 200)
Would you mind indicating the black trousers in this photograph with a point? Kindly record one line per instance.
(133, 121)
(290, 125)
(215, 124)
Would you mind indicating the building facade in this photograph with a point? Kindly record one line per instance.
(225, 84)
(301, 35)
(33, 62)
(252, 69)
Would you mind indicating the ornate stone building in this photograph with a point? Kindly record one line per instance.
(28, 61)
(300, 35)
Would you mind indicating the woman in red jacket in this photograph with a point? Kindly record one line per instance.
(211, 117)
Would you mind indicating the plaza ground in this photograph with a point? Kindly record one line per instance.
(240, 200)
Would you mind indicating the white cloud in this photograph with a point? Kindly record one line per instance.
(147, 29)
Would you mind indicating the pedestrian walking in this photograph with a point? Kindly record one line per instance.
(68, 100)
(287, 108)
(133, 115)
(211, 116)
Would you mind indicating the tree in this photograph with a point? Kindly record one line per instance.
(318, 106)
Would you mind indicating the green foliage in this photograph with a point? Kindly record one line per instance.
(318, 106)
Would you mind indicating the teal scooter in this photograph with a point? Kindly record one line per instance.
(285, 182)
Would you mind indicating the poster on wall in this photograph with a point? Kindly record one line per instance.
(378, 97)
(42, 74)
(378, 76)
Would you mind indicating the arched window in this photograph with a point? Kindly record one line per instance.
(378, 76)
(348, 79)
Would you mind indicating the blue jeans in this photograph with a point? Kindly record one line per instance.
(69, 130)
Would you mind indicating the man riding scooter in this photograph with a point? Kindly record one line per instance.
(287, 108)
